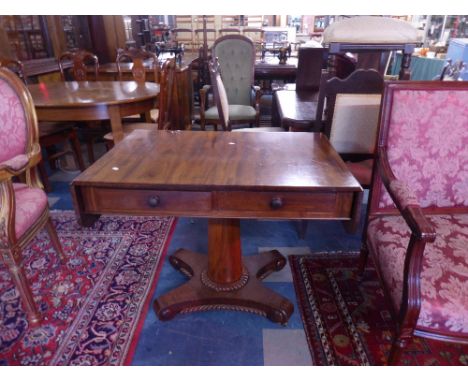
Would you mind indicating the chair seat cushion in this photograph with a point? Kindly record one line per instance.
(30, 204)
(16, 163)
(444, 276)
(236, 113)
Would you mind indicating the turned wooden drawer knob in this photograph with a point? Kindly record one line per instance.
(153, 201)
(276, 203)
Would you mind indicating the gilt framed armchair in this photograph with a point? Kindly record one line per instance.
(236, 56)
(24, 209)
(417, 225)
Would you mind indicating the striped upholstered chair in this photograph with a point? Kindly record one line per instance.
(23, 205)
(417, 228)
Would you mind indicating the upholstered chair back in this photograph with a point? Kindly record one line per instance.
(14, 122)
(425, 138)
(348, 111)
(354, 123)
(236, 55)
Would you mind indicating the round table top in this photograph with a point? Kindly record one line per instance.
(87, 93)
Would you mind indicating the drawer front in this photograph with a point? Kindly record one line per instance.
(319, 205)
(102, 200)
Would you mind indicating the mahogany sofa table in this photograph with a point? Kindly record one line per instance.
(224, 176)
(94, 101)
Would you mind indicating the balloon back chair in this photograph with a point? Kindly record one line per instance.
(236, 55)
(84, 67)
(417, 225)
(167, 106)
(24, 208)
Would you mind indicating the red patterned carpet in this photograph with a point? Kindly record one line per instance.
(94, 307)
(347, 322)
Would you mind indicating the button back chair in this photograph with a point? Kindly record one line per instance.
(84, 67)
(24, 210)
(236, 56)
(50, 133)
(417, 227)
(222, 104)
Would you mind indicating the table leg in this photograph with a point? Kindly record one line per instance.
(116, 123)
(222, 280)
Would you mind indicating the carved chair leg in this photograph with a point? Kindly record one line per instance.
(21, 283)
(202, 124)
(55, 240)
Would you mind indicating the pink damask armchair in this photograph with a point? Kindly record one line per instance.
(23, 204)
(417, 228)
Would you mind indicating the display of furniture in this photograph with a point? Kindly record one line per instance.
(347, 113)
(51, 134)
(105, 101)
(222, 176)
(368, 35)
(236, 55)
(417, 224)
(222, 104)
(24, 209)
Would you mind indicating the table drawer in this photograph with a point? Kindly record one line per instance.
(286, 204)
(102, 200)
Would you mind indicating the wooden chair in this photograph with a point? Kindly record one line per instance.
(138, 58)
(51, 134)
(222, 104)
(168, 109)
(236, 55)
(350, 118)
(417, 225)
(85, 67)
(24, 210)
(81, 61)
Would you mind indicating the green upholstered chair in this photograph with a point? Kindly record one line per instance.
(221, 100)
(236, 55)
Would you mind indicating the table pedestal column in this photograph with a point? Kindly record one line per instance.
(225, 280)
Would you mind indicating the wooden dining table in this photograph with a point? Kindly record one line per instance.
(94, 101)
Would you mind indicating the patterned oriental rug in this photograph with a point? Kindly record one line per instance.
(95, 305)
(347, 322)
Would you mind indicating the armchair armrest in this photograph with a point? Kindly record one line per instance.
(257, 91)
(406, 202)
(20, 163)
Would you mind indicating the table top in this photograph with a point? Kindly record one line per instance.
(86, 93)
(298, 105)
(209, 161)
